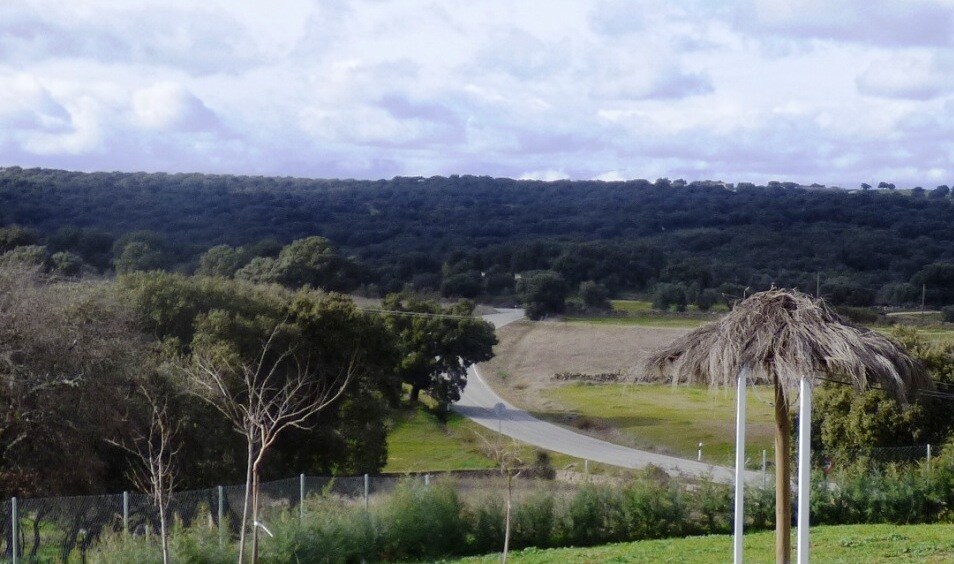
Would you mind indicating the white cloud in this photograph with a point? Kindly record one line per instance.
(906, 76)
(547, 175)
(748, 90)
(170, 106)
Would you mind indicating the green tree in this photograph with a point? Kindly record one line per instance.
(594, 295)
(437, 344)
(221, 260)
(542, 292)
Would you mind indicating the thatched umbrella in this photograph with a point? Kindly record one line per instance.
(787, 339)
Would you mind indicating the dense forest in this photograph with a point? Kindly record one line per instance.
(475, 237)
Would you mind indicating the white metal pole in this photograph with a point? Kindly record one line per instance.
(221, 516)
(929, 457)
(126, 513)
(14, 529)
(739, 468)
(301, 497)
(366, 492)
(804, 467)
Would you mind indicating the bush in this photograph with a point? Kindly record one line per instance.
(655, 510)
(595, 515)
(533, 521)
(328, 533)
(421, 522)
(486, 525)
(947, 313)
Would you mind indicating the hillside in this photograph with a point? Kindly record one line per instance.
(468, 236)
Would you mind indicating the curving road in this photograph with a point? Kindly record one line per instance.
(481, 404)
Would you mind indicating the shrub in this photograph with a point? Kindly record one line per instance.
(422, 522)
(595, 515)
(655, 509)
(534, 520)
(486, 525)
(948, 313)
(328, 533)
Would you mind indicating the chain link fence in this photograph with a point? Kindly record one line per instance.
(63, 528)
(56, 529)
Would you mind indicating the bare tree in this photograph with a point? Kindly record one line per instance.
(154, 472)
(506, 455)
(261, 399)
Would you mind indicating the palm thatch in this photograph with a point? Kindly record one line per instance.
(787, 335)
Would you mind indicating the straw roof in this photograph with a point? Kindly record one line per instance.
(788, 335)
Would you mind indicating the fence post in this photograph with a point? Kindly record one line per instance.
(764, 467)
(301, 497)
(14, 529)
(366, 484)
(586, 467)
(929, 457)
(699, 453)
(221, 515)
(126, 513)
(427, 479)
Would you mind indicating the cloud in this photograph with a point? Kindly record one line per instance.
(198, 39)
(906, 76)
(876, 22)
(545, 175)
(167, 106)
(27, 105)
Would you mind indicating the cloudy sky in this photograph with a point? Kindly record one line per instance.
(801, 90)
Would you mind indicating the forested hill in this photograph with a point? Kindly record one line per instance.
(469, 235)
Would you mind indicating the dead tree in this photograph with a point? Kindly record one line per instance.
(154, 470)
(261, 399)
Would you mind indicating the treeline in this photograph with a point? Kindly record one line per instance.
(473, 237)
(80, 360)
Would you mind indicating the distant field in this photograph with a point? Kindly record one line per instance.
(671, 419)
(641, 313)
(835, 544)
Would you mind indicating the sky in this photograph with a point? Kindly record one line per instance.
(837, 93)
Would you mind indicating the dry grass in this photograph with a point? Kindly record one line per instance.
(529, 354)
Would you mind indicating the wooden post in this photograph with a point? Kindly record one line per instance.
(804, 467)
(783, 487)
(739, 469)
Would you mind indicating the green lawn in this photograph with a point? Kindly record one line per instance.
(674, 419)
(846, 543)
(419, 442)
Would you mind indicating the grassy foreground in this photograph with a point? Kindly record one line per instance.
(674, 419)
(844, 543)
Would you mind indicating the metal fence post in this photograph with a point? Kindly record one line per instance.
(929, 456)
(221, 514)
(764, 467)
(699, 453)
(366, 492)
(301, 497)
(126, 513)
(586, 467)
(14, 529)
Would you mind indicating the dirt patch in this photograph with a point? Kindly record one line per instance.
(529, 354)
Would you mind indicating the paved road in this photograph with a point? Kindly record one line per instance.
(481, 404)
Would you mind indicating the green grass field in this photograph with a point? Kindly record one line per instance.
(641, 313)
(840, 544)
(419, 442)
(673, 419)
